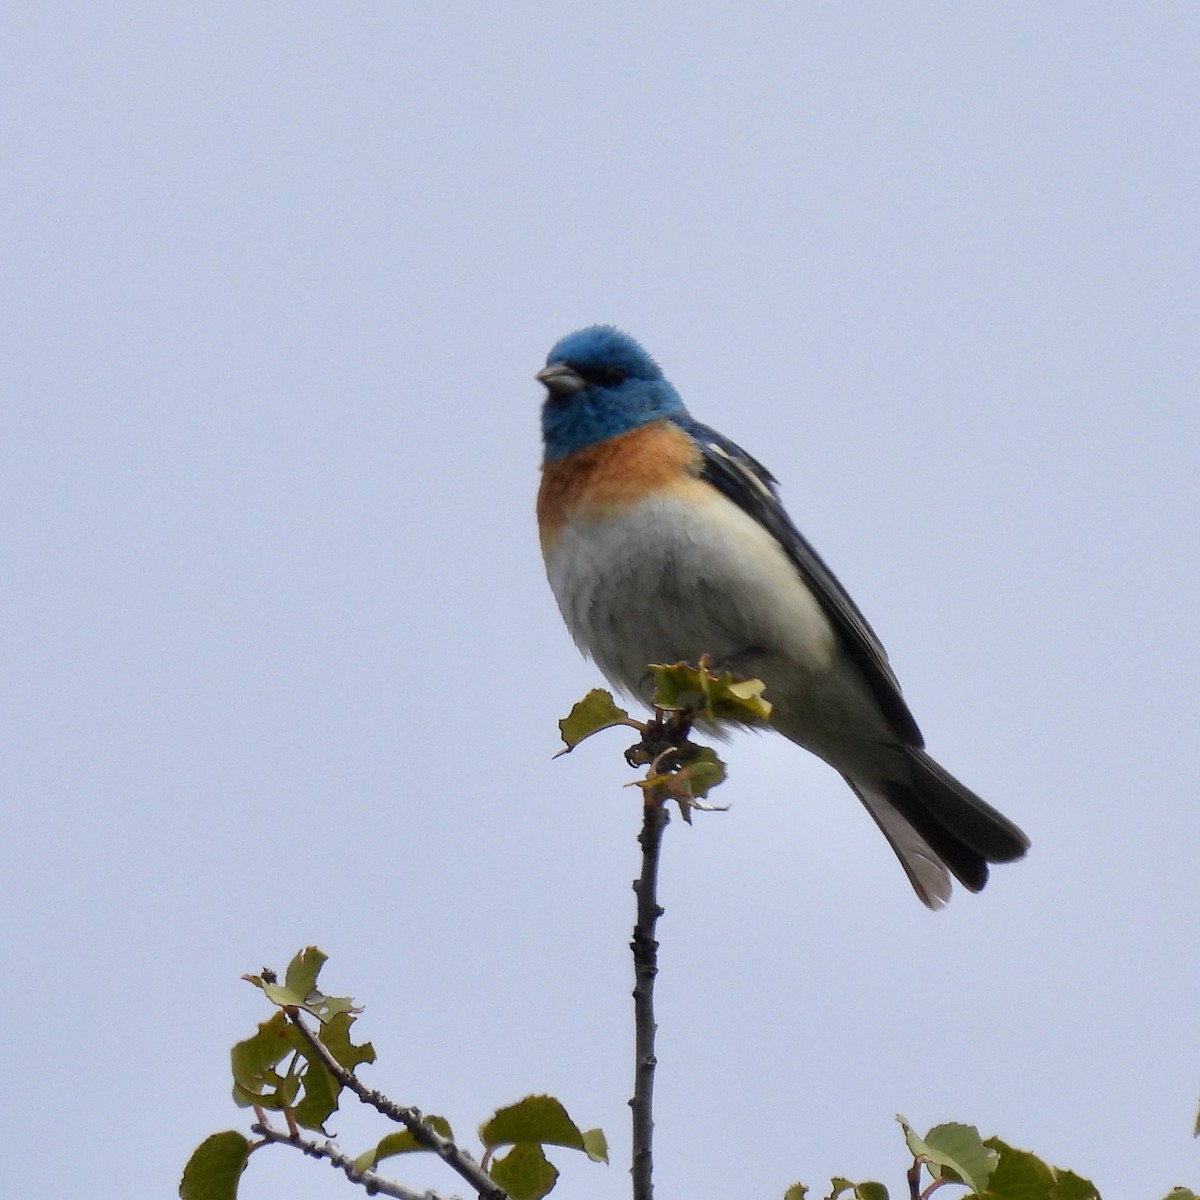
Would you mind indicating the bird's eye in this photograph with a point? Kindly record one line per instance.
(606, 375)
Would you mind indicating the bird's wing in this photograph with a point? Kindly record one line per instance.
(745, 481)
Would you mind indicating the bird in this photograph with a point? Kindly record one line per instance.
(664, 541)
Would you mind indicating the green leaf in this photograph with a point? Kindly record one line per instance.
(748, 694)
(715, 697)
(687, 784)
(320, 1098)
(953, 1152)
(302, 971)
(796, 1192)
(216, 1166)
(869, 1190)
(596, 711)
(272, 1090)
(525, 1172)
(702, 773)
(677, 686)
(253, 1060)
(401, 1142)
(595, 1145)
(335, 1037)
(1069, 1186)
(535, 1119)
(1018, 1175)
(257, 1080)
(1181, 1193)
(299, 988)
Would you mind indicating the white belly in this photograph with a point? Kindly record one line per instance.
(667, 581)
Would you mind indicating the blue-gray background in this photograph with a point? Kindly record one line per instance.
(281, 667)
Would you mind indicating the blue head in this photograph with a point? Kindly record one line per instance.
(600, 383)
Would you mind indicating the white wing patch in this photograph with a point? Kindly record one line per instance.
(743, 467)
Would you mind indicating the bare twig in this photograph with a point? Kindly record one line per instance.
(913, 1177)
(645, 967)
(369, 1179)
(423, 1133)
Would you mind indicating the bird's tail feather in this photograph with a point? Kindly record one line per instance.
(939, 828)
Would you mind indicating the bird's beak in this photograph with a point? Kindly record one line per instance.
(560, 379)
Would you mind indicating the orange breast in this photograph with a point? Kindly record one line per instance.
(613, 475)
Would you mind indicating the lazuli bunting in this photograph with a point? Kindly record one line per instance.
(664, 541)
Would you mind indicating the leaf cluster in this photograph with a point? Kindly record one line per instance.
(278, 1069)
(287, 1067)
(953, 1154)
(523, 1131)
(677, 769)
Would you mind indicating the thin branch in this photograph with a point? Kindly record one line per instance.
(369, 1179)
(423, 1133)
(914, 1179)
(933, 1187)
(645, 967)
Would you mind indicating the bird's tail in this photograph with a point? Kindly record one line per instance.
(939, 828)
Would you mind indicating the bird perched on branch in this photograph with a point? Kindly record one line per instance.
(664, 541)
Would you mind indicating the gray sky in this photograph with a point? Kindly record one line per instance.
(281, 665)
